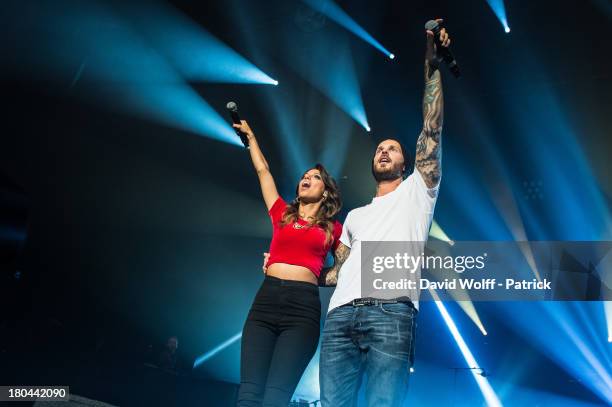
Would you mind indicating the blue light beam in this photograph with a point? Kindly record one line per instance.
(203, 358)
(336, 78)
(486, 389)
(574, 349)
(194, 52)
(334, 12)
(122, 71)
(608, 313)
(500, 11)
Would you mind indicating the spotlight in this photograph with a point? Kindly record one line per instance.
(391, 56)
(203, 358)
(484, 385)
(499, 9)
(275, 83)
(368, 128)
(608, 314)
(333, 11)
(411, 369)
(187, 46)
(437, 232)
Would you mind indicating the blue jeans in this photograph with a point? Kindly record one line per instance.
(377, 340)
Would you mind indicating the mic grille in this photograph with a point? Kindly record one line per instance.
(431, 25)
(232, 106)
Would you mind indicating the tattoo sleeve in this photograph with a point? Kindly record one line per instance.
(429, 144)
(329, 275)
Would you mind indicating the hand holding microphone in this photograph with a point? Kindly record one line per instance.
(240, 126)
(438, 42)
(245, 130)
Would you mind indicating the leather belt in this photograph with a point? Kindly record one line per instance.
(368, 301)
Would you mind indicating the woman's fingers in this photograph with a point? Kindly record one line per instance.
(242, 127)
(266, 257)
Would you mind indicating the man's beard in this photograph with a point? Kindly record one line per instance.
(388, 174)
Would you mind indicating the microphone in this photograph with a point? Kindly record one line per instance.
(447, 55)
(232, 108)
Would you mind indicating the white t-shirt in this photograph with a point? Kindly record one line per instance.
(402, 215)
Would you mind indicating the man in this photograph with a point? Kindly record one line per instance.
(375, 336)
(168, 356)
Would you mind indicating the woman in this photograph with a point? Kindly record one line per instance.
(281, 332)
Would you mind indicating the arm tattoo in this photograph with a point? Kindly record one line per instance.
(329, 275)
(429, 144)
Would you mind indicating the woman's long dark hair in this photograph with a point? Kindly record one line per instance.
(330, 206)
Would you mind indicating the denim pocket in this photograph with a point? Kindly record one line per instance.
(399, 309)
(341, 312)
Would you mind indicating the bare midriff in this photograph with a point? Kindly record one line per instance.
(286, 271)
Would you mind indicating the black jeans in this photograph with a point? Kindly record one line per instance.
(279, 338)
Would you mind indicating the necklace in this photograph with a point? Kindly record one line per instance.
(297, 225)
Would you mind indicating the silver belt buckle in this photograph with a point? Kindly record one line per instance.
(359, 302)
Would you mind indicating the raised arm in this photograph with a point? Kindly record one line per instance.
(329, 275)
(266, 181)
(429, 144)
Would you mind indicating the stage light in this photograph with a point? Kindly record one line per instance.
(484, 385)
(122, 71)
(467, 306)
(437, 232)
(334, 12)
(608, 315)
(500, 11)
(391, 56)
(194, 52)
(337, 79)
(368, 128)
(411, 369)
(281, 106)
(203, 358)
(469, 309)
(275, 83)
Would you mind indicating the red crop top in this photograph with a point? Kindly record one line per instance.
(303, 246)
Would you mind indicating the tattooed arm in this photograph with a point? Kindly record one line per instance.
(429, 144)
(329, 275)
